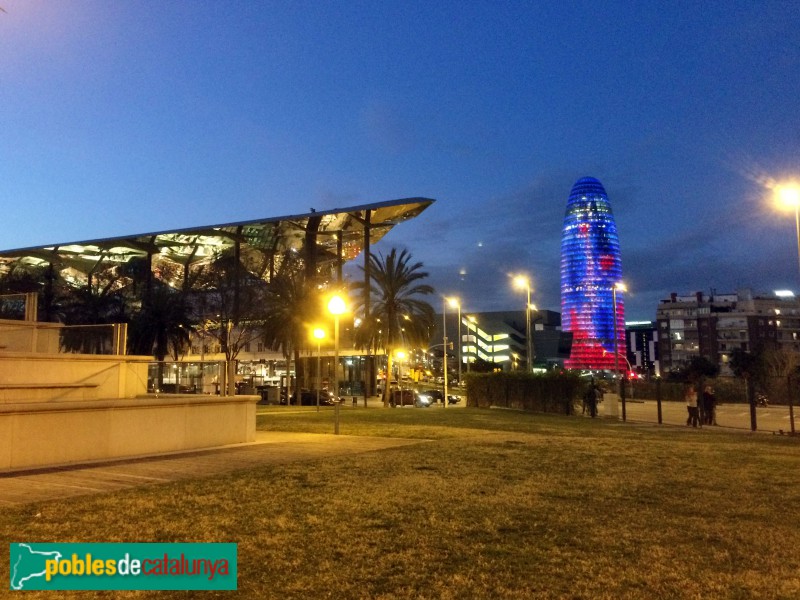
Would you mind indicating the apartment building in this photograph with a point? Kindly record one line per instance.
(714, 325)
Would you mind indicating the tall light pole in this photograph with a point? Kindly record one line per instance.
(524, 283)
(455, 303)
(444, 349)
(337, 307)
(789, 196)
(319, 335)
(400, 355)
(618, 287)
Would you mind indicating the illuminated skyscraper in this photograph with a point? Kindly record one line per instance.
(590, 268)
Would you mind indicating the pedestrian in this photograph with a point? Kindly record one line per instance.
(709, 404)
(691, 406)
(590, 399)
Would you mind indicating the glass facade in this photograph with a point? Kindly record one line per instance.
(590, 268)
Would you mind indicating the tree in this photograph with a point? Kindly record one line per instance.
(233, 300)
(700, 367)
(99, 302)
(695, 370)
(745, 365)
(398, 316)
(290, 305)
(162, 326)
(42, 279)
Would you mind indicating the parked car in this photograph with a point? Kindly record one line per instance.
(408, 398)
(430, 396)
(435, 396)
(309, 398)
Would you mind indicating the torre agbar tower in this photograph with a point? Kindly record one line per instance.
(590, 268)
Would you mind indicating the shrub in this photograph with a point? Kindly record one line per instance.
(554, 392)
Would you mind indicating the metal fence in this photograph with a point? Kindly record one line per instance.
(781, 390)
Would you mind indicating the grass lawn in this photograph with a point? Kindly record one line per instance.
(499, 504)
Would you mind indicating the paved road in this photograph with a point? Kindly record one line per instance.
(732, 416)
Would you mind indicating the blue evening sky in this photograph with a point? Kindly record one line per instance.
(130, 116)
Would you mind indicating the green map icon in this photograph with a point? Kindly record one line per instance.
(28, 564)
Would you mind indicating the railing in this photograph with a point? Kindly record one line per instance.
(184, 377)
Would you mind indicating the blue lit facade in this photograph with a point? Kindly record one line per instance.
(590, 268)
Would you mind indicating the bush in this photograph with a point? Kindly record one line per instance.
(555, 392)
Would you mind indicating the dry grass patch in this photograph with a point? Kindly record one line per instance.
(501, 505)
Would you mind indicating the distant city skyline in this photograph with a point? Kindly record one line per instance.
(128, 117)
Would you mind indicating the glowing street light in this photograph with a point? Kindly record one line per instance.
(337, 307)
(523, 283)
(788, 196)
(319, 335)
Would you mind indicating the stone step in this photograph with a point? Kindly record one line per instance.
(46, 392)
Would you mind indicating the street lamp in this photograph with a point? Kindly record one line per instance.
(618, 287)
(455, 303)
(400, 355)
(444, 349)
(522, 282)
(319, 335)
(337, 307)
(789, 196)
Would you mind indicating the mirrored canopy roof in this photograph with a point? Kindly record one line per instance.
(337, 230)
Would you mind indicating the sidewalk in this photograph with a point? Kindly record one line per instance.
(270, 448)
(773, 419)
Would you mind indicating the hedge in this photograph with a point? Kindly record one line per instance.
(555, 392)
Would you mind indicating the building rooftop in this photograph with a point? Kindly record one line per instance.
(332, 235)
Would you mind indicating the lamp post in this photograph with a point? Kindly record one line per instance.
(400, 355)
(618, 287)
(337, 307)
(789, 196)
(319, 335)
(455, 303)
(444, 350)
(524, 283)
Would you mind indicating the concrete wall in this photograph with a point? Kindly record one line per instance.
(107, 376)
(53, 433)
(60, 409)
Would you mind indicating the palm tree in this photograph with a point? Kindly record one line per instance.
(398, 316)
(289, 306)
(162, 326)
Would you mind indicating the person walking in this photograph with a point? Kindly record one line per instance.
(691, 406)
(709, 404)
(590, 399)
